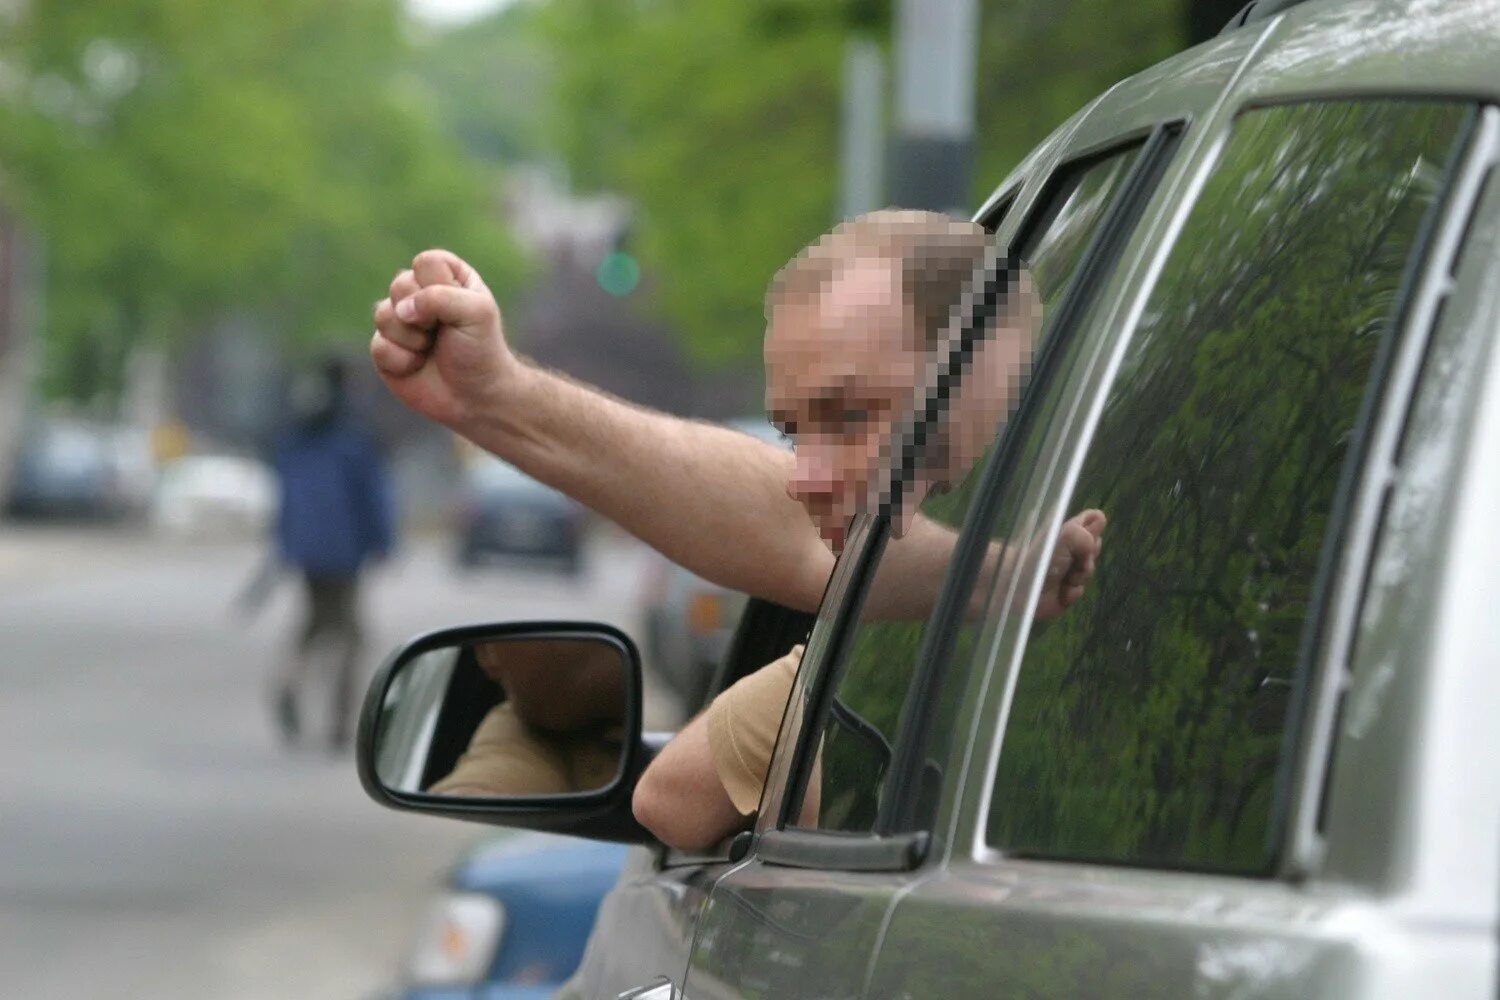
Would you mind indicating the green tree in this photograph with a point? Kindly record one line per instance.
(720, 119)
(185, 161)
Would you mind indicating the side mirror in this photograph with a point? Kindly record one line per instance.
(534, 725)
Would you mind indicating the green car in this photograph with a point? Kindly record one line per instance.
(1259, 757)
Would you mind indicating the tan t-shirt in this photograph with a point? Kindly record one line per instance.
(508, 757)
(742, 725)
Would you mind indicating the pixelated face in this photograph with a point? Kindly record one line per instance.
(840, 367)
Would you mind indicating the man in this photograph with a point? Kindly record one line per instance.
(872, 298)
(850, 330)
(335, 517)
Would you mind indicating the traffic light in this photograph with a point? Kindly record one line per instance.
(618, 273)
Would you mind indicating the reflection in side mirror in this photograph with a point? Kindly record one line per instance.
(505, 717)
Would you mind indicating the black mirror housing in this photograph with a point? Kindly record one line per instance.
(598, 813)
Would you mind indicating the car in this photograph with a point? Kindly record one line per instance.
(688, 621)
(208, 495)
(502, 513)
(513, 920)
(74, 468)
(1258, 757)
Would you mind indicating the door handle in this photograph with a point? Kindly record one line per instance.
(659, 988)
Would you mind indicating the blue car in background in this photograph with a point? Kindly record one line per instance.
(514, 919)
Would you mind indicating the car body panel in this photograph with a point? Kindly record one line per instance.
(790, 933)
(645, 927)
(550, 889)
(1419, 712)
(1372, 47)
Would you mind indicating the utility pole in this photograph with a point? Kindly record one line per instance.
(861, 175)
(932, 151)
(20, 319)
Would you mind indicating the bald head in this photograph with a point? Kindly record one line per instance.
(852, 321)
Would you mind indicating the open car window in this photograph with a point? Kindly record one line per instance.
(848, 782)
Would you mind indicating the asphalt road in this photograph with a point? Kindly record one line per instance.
(155, 841)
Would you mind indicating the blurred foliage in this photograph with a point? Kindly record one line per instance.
(187, 161)
(720, 119)
(490, 84)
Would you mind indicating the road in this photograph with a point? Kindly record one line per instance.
(155, 841)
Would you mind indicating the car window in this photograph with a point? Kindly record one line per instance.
(1053, 242)
(1148, 722)
(860, 731)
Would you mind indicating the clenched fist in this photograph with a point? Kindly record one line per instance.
(439, 343)
(1072, 563)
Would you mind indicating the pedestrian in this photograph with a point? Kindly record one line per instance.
(335, 518)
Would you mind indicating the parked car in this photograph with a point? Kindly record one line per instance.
(73, 468)
(504, 513)
(1258, 758)
(205, 495)
(688, 620)
(512, 922)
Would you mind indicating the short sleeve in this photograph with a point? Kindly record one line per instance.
(742, 726)
(505, 758)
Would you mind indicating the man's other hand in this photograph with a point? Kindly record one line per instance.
(439, 343)
(1072, 563)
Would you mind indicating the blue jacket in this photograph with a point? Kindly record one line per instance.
(336, 505)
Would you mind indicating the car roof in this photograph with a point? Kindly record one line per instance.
(1313, 50)
(1351, 47)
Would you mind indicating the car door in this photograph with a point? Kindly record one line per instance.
(803, 916)
(1127, 826)
(646, 922)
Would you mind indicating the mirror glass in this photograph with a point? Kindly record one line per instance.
(505, 717)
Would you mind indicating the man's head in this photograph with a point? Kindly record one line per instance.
(853, 321)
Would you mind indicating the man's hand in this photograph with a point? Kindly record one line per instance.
(1072, 564)
(439, 343)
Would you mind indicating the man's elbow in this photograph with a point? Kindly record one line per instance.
(669, 816)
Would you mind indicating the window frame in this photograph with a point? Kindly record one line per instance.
(1380, 434)
(883, 849)
(1301, 781)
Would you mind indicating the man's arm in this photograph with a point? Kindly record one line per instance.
(907, 581)
(709, 778)
(680, 797)
(709, 498)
